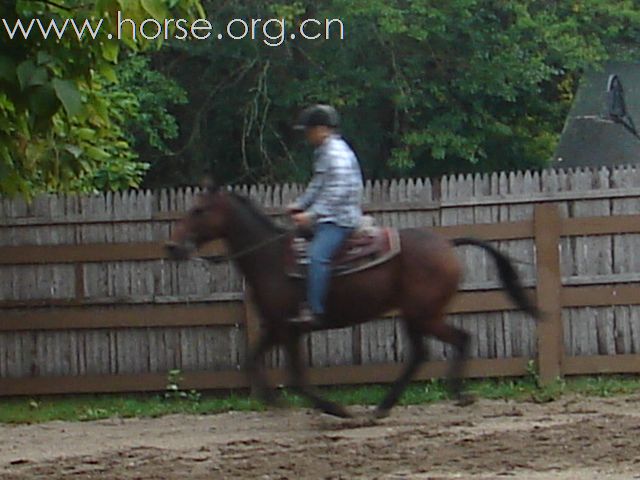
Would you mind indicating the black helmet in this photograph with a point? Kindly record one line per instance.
(318, 115)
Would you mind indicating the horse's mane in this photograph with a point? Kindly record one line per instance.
(255, 212)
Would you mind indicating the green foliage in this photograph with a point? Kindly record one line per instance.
(151, 125)
(60, 129)
(173, 390)
(424, 87)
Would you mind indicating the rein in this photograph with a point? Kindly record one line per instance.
(242, 253)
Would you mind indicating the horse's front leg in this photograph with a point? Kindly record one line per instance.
(299, 382)
(256, 370)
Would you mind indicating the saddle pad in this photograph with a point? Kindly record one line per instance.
(364, 249)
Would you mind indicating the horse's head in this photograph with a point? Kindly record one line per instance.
(204, 222)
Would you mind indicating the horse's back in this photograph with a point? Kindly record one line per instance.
(423, 277)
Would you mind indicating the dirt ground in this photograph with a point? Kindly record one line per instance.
(572, 438)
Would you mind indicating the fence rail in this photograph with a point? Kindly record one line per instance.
(88, 303)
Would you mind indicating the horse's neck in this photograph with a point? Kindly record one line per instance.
(255, 244)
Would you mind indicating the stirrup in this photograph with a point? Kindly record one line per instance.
(307, 318)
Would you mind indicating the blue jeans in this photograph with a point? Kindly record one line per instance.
(328, 238)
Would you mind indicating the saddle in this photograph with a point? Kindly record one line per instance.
(367, 247)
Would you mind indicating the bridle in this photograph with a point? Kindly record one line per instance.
(214, 259)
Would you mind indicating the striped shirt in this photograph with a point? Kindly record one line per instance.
(335, 191)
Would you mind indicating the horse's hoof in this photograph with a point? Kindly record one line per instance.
(465, 399)
(380, 413)
(271, 399)
(338, 411)
(279, 404)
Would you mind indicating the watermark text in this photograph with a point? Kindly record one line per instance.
(272, 31)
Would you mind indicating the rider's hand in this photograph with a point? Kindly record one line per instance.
(302, 219)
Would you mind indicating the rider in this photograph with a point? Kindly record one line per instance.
(331, 203)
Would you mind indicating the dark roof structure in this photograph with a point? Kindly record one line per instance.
(600, 129)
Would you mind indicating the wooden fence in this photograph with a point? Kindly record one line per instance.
(88, 304)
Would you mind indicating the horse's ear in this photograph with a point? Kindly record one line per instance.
(209, 185)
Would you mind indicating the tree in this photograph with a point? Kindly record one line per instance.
(425, 87)
(152, 125)
(61, 122)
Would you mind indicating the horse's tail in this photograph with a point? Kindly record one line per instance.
(508, 275)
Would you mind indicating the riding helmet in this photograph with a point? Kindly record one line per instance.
(317, 115)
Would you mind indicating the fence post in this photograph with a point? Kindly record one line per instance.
(547, 223)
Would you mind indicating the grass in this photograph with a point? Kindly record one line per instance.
(94, 407)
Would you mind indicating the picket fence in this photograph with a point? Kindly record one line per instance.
(88, 303)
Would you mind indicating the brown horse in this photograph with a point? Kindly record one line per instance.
(420, 282)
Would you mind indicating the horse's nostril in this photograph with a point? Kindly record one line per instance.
(176, 251)
(172, 249)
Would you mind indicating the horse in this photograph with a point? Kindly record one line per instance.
(419, 282)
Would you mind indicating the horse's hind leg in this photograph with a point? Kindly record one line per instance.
(299, 382)
(460, 340)
(417, 356)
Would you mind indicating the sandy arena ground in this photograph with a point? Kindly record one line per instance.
(572, 438)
